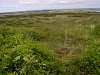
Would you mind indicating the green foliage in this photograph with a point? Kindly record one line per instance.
(87, 62)
(21, 54)
(50, 44)
(97, 31)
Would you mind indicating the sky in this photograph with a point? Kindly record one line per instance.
(22, 5)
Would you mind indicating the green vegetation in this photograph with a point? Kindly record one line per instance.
(50, 44)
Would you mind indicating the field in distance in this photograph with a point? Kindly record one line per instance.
(50, 44)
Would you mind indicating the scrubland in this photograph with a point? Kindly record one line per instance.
(50, 44)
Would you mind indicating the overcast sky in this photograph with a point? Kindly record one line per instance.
(20, 5)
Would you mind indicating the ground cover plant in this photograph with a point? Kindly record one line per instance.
(50, 44)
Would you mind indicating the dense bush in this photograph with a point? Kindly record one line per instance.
(23, 55)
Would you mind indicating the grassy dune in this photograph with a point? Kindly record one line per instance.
(50, 44)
